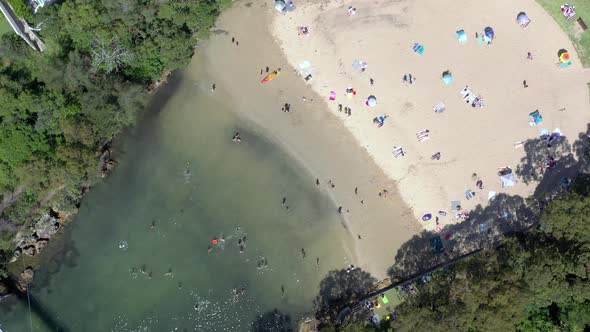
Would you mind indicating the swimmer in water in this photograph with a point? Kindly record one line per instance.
(244, 239)
(241, 248)
(169, 273)
(317, 182)
(153, 225)
(282, 290)
(303, 252)
(209, 248)
(284, 200)
(317, 262)
(240, 241)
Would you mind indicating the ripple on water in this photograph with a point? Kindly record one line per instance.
(205, 315)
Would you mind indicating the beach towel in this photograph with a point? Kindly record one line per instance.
(465, 92)
(454, 205)
(332, 95)
(568, 11)
(565, 65)
(384, 299)
(439, 108)
(491, 195)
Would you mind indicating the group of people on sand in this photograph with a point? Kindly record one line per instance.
(347, 110)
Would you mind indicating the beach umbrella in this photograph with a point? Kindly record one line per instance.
(565, 57)
(280, 5)
(489, 32)
(371, 101)
(522, 19)
(447, 77)
(462, 36)
(508, 180)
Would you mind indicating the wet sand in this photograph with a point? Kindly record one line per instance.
(310, 133)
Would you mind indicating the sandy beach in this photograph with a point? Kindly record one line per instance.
(471, 140)
(350, 151)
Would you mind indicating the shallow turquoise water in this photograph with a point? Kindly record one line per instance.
(181, 171)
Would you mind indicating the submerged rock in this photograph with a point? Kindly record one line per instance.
(28, 274)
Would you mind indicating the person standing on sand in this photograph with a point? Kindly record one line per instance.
(371, 81)
(317, 182)
(529, 56)
(524, 84)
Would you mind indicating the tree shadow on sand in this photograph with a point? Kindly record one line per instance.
(504, 214)
(272, 321)
(340, 289)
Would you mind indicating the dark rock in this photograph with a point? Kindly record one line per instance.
(30, 250)
(40, 244)
(28, 274)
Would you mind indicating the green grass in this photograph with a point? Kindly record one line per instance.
(4, 26)
(581, 40)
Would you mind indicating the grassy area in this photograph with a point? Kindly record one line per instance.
(580, 39)
(4, 26)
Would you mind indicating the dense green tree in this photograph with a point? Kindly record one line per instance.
(60, 107)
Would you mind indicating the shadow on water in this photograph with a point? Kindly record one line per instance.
(62, 251)
(37, 309)
(272, 321)
(505, 214)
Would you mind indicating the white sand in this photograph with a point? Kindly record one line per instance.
(471, 140)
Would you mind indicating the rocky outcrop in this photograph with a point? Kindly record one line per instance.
(38, 235)
(107, 163)
(27, 275)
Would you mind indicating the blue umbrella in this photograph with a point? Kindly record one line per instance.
(522, 19)
(447, 77)
(489, 32)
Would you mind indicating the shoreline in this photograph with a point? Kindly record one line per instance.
(312, 136)
(336, 39)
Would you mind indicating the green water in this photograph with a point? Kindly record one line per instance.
(181, 171)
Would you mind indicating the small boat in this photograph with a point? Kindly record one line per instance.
(271, 76)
